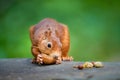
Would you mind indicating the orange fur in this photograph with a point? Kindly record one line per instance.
(56, 35)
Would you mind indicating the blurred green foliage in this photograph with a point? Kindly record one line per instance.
(94, 26)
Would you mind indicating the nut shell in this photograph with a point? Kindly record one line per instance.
(80, 67)
(98, 64)
(87, 65)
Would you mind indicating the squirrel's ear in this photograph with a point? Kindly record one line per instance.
(31, 32)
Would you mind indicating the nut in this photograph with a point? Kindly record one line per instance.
(87, 65)
(98, 64)
(80, 67)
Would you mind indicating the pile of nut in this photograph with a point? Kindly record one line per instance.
(89, 65)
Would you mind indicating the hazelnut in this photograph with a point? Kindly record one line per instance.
(80, 67)
(87, 65)
(98, 64)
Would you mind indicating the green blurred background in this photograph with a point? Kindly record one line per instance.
(94, 26)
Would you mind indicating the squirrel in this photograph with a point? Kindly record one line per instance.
(50, 42)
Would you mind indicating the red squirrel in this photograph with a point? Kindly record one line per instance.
(50, 42)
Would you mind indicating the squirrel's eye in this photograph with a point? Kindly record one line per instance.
(49, 45)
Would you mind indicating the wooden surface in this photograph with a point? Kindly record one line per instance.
(23, 69)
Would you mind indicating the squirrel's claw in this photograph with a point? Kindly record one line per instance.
(39, 59)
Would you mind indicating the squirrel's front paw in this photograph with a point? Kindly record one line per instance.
(58, 60)
(39, 59)
(67, 58)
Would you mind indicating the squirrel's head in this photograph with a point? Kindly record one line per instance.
(49, 43)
